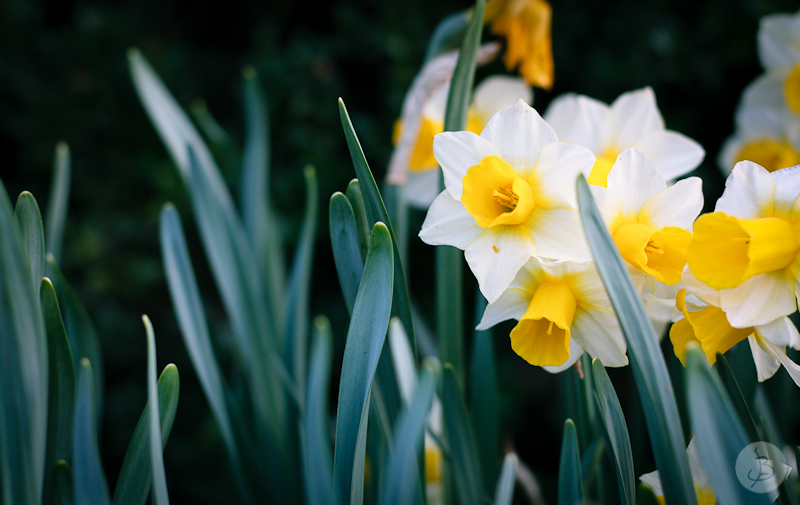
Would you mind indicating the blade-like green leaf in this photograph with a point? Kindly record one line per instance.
(365, 339)
(504, 492)
(735, 394)
(222, 146)
(346, 249)
(356, 199)
(718, 432)
(617, 431)
(455, 118)
(401, 478)
(56, 214)
(447, 35)
(484, 406)
(570, 487)
(649, 369)
(64, 491)
(317, 460)
(61, 391)
(376, 211)
(134, 480)
(89, 479)
(82, 336)
(23, 369)
(160, 494)
(460, 440)
(29, 221)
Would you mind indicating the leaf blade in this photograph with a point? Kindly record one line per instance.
(89, 483)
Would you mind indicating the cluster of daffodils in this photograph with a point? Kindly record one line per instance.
(510, 203)
(768, 117)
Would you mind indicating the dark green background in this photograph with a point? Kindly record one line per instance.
(63, 76)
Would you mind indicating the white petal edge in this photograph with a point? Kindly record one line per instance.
(779, 353)
(778, 40)
(449, 223)
(786, 189)
(766, 364)
(635, 179)
(598, 332)
(748, 192)
(759, 300)
(496, 257)
(780, 332)
(672, 153)
(520, 134)
(679, 205)
(497, 92)
(456, 152)
(635, 113)
(512, 304)
(581, 120)
(553, 178)
(575, 352)
(422, 188)
(558, 234)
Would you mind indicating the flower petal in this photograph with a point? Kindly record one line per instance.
(779, 353)
(519, 134)
(781, 332)
(496, 257)
(679, 205)
(635, 113)
(575, 352)
(635, 179)
(653, 481)
(558, 234)
(552, 180)
(672, 153)
(449, 223)
(598, 332)
(581, 120)
(697, 468)
(422, 188)
(703, 291)
(748, 192)
(511, 305)
(766, 364)
(608, 203)
(456, 152)
(786, 188)
(779, 40)
(759, 300)
(497, 92)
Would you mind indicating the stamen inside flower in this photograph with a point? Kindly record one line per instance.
(791, 89)
(494, 194)
(599, 174)
(709, 327)
(770, 154)
(660, 253)
(542, 335)
(726, 250)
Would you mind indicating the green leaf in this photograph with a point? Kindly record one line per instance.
(504, 492)
(64, 488)
(61, 390)
(356, 199)
(448, 34)
(222, 145)
(617, 431)
(455, 118)
(160, 495)
(742, 409)
(89, 480)
(718, 432)
(460, 440)
(317, 460)
(365, 339)
(484, 406)
(570, 487)
(134, 480)
(376, 211)
(82, 335)
(346, 249)
(647, 361)
(59, 200)
(29, 221)
(401, 477)
(23, 370)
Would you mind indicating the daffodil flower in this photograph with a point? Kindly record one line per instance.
(563, 310)
(633, 120)
(510, 194)
(650, 223)
(702, 482)
(491, 96)
(748, 248)
(526, 26)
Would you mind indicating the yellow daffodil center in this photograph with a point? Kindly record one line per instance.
(422, 158)
(660, 253)
(543, 333)
(599, 174)
(726, 251)
(791, 89)
(494, 194)
(433, 464)
(770, 154)
(709, 327)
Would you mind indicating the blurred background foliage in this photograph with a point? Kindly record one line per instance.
(64, 76)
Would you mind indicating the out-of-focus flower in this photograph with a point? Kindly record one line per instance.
(697, 469)
(491, 96)
(633, 120)
(748, 248)
(563, 310)
(510, 194)
(525, 24)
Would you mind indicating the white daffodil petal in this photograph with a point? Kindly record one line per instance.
(763, 112)
(672, 153)
(729, 153)
(588, 288)
(608, 203)
(780, 332)
(403, 358)
(519, 134)
(779, 40)
(422, 188)
(635, 179)
(635, 113)
(530, 275)
(575, 352)
(748, 192)
(759, 300)
(679, 205)
(456, 152)
(498, 92)
(511, 305)
(434, 106)
(779, 353)
(562, 269)
(558, 233)
(449, 223)
(598, 332)
(697, 468)
(766, 364)
(496, 257)
(553, 179)
(653, 481)
(704, 292)
(581, 120)
(786, 187)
